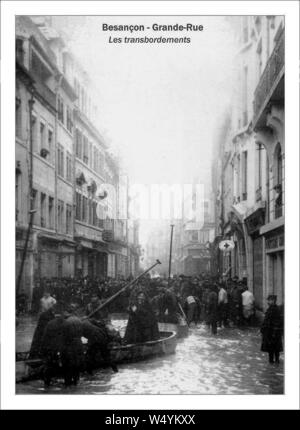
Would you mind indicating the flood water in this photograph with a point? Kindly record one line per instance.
(229, 363)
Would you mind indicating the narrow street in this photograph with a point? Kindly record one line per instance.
(230, 363)
(150, 195)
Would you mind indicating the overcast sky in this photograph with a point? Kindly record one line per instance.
(159, 104)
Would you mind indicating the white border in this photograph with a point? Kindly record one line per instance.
(11, 401)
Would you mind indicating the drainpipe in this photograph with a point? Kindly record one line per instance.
(59, 76)
(31, 208)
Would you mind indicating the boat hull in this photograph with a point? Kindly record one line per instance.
(181, 330)
(32, 369)
(136, 352)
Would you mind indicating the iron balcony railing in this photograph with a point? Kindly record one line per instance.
(270, 74)
(44, 91)
(258, 194)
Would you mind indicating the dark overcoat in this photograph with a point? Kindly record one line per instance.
(36, 344)
(142, 325)
(272, 330)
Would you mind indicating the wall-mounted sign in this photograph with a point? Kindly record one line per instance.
(226, 245)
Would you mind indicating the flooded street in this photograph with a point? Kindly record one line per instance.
(230, 363)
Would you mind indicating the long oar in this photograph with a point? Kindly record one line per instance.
(110, 299)
(183, 313)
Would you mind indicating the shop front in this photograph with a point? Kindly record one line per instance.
(274, 248)
(253, 223)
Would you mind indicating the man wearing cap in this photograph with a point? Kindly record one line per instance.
(272, 331)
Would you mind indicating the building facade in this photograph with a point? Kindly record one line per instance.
(68, 199)
(249, 161)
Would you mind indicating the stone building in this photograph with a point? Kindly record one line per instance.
(192, 246)
(193, 231)
(67, 183)
(249, 160)
(36, 126)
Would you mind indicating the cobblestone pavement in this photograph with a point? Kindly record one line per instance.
(230, 363)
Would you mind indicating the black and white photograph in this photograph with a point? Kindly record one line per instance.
(150, 202)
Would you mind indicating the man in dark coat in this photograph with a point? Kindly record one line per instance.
(97, 349)
(52, 346)
(36, 344)
(272, 331)
(213, 308)
(72, 351)
(237, 303)
(166, 303)
(142, 324)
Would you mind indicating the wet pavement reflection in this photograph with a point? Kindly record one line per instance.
(229, 363)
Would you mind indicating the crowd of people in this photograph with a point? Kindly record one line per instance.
(70, 309)
(75, 289)
(203, 298)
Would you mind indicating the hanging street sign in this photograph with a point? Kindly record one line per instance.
(226, 245)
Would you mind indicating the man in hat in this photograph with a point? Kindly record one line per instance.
(272, 330)
(72, 351)
(236, 303)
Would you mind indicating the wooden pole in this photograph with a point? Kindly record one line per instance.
(32, 209)
(170, 257)
(110, 299)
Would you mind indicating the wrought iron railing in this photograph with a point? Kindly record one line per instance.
(258, 194)
(272, 70)
(46, 93)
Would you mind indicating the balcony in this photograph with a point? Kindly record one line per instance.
(108, 235)
(43, 222)
(268, 87)
(44, 91)
(113, 231)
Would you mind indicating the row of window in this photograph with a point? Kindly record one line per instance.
(43, 143)
(83, 100)
(65, 114)
(240, 176)
(88, 153)
(198, 236)
(64, 163)
(44, 216)
(86, 211)
(42, 132)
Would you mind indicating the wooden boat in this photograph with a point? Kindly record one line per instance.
(181, 330)
(32, 369)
